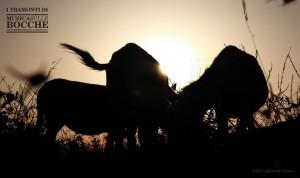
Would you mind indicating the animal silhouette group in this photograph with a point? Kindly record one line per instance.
(138, 98)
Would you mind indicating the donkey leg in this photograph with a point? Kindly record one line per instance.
(148, 136)
(222, 125)
(131, 138)
(119, 138)
(246, 123)
(52, 130)
(109, 143)
(114, 140)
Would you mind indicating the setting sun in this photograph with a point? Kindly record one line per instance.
(176, 58)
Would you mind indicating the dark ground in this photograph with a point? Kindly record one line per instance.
(265, 152)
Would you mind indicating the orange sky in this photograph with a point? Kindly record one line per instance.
(184, 35)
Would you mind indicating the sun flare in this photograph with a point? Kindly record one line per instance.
(177, 60)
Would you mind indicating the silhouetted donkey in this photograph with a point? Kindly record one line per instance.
(134, 81)
(234, 85)
(85, 109)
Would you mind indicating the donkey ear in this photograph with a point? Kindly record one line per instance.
(34, 79)
(174, 86)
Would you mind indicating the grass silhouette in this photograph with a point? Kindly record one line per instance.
(273, 145)
(277, 123)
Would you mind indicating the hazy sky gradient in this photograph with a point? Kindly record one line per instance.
(102, 27)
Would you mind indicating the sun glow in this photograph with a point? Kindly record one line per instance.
(177, 60)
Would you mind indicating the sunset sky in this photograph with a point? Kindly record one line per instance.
(183, 35)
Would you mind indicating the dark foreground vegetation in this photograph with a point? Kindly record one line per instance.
(271, 149)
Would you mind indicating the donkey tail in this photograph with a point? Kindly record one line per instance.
(85, 57)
